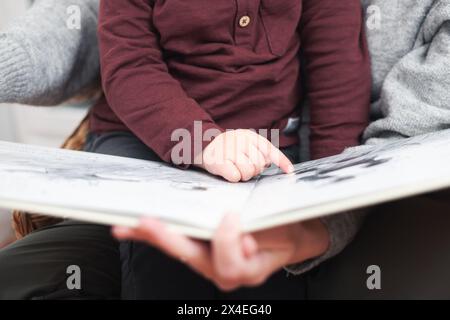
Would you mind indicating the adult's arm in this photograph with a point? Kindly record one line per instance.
(42, 60)
(415, 97)
(342, 228)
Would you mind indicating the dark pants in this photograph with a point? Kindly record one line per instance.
(37, 267)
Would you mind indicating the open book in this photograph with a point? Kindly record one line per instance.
(119, 191)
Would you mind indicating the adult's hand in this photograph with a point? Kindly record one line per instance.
(233, 259)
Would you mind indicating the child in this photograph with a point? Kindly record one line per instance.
(232, 65)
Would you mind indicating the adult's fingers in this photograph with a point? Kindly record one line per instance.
(249, 246)
(237, 260)
(191, 252)
(228, 253)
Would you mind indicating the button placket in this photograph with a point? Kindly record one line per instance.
(245, 20)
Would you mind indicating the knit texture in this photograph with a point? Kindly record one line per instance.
(42, 60)
(411, 69)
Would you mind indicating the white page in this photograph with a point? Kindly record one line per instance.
(407, 163)
(82, 182)
(106, 184)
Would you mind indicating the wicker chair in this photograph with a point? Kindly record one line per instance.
(24, 223)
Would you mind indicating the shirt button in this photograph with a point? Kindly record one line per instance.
(244, 21)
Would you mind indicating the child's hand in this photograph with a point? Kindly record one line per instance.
(240, 155)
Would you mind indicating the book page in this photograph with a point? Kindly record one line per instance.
(114, 185)
(416, 163)
(84, 182)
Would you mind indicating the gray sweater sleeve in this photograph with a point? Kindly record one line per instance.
(415, 96)
(42, 60)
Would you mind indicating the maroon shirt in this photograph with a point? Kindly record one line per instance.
(233, 64)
